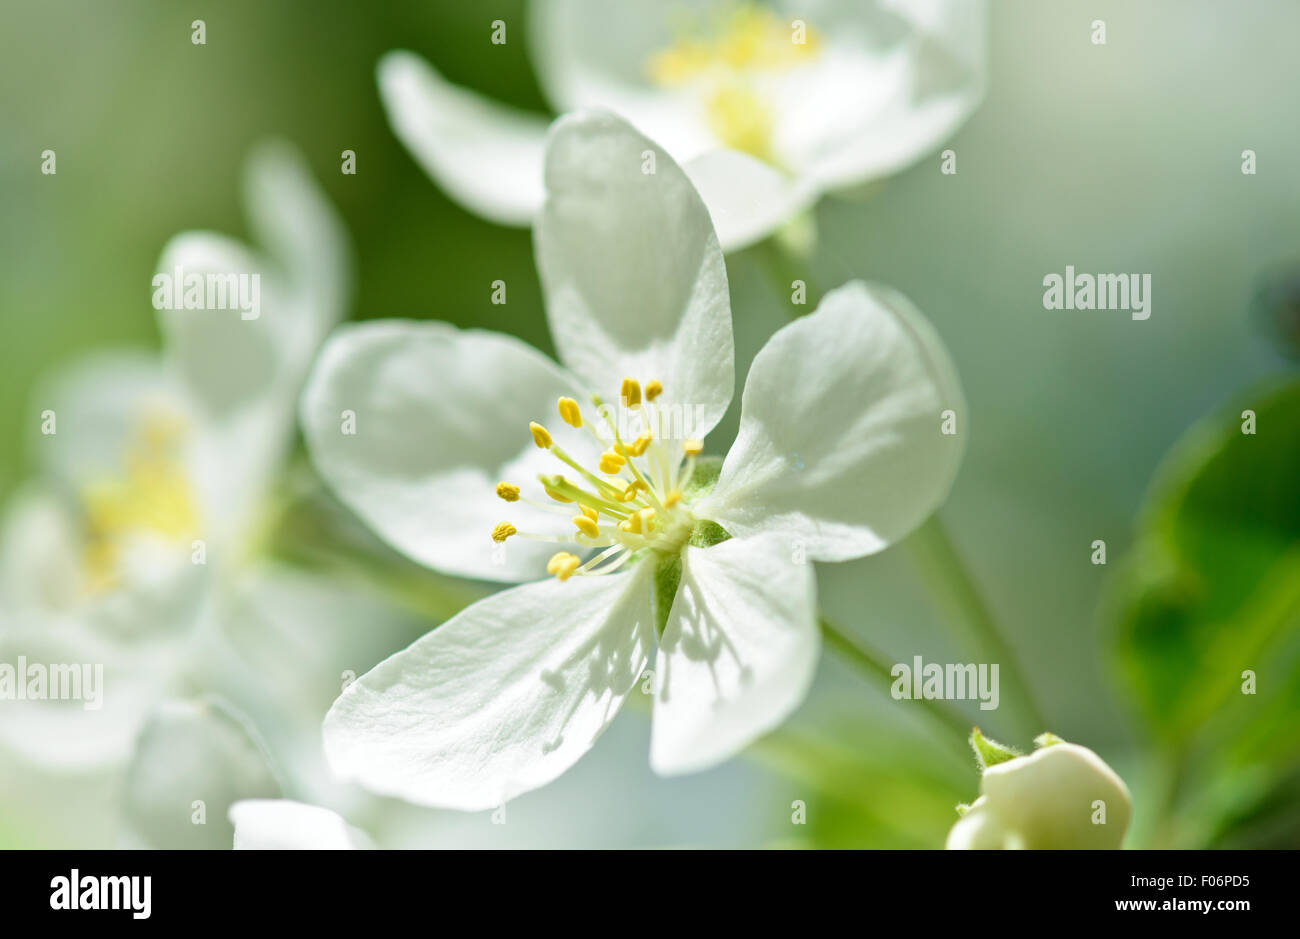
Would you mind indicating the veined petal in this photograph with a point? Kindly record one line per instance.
(738, 654)
(487, 156)
(633, 274)
(441, 416)
(500, 699)
(840, 446)
(747, 198)
(285, 825)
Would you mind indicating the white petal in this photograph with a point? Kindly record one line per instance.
(499, 700)
(747, 198)
(933, 68)
(738, 654)
(634, 278)
(595, 54)
(192, 751)
(978, 830)
(301, 230)
(840, 446)
(41, 571)
(441, 417)
(285, 825)
(487, 156)
(107, 689)
(99, 403)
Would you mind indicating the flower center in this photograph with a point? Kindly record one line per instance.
(630, 503)
(151, 497)
(725, 61)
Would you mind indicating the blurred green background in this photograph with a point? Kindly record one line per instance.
(1124, 157)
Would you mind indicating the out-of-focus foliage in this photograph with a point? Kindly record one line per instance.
(1208, 609)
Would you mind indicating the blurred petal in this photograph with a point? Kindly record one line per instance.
(302, 231)
(738, 654)
(99, 403)
(634, 278)
(285, 825)
(979, 830)
(747, 198)
(935, 68)
(500, 699)
(441, 417)
(595, 54)
(193, 761)
(104, 690)
(840, 445)
(487, 156)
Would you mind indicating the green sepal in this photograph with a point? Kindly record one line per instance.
(990, 752)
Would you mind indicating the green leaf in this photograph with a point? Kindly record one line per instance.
(1212, 588)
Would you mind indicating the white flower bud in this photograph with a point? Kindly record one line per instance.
(1060, 796)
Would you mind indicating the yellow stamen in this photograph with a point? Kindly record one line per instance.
(586, 526)
(638, 446)
(672, 499)
(570, 412)
(541, 436)
(631, 393)
(503, 531)
(653, 390)
(693, 447)
(508, 492)
(563, 565)
(611, 463)
(588, 511)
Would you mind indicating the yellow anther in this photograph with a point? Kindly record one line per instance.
(569, 412)
(556, 496)
(541, 436)
(634, 487)
(693, 447)
(588, 511)
(653, 389)
(503, 531)
(631, 524)
(586, 526)
(631, 393)
(563, 565)
(642, 441)
(672, 499)
(611, 463)
(508, 492)
(647, 516)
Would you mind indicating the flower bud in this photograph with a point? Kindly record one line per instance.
(1060, 796)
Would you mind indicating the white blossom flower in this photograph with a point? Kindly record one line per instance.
(1061, 796)
(286, 825)
(431, 435)
(766, 106)
(154, 470)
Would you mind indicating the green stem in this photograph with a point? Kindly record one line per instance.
(875, 666)
(955, 587)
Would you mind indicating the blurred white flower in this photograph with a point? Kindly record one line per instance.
(839, 454)
(1061, 796)
(145, 510)
(285, 825)
(765, 106)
